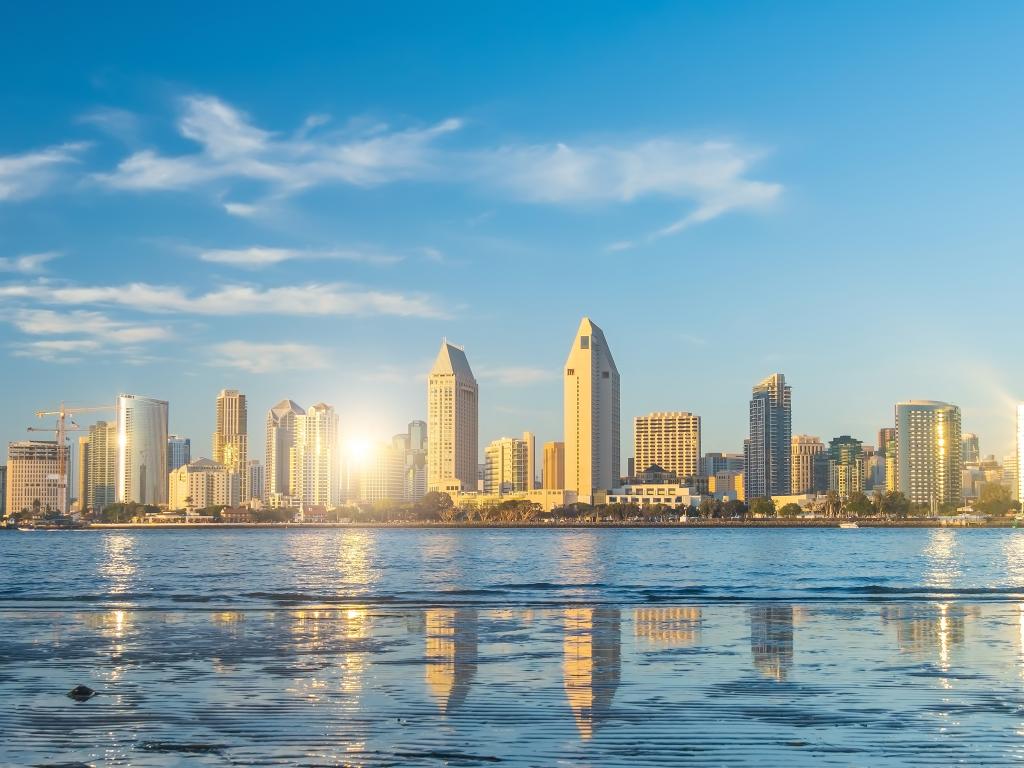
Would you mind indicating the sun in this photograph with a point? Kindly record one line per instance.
(358, 450)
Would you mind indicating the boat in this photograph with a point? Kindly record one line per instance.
(849, 524)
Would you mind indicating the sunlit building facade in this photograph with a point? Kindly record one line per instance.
(280, 442)
(256, 479)
(928, 451)
(231, 435)
(141, 450)
(506, 466)
(100, 467)
(553, 469)
(804, 449)
(32, 477)
(670, 440)
(846, 466)
(315, 463)
(203, 483)
(591, 414)
(767, 466)
(452, 420)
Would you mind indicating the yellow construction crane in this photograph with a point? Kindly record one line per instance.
(65, 414)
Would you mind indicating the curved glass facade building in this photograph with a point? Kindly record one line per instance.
(141, 450)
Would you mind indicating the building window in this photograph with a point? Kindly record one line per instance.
(604, 374)
(584, 342)
(570, 372)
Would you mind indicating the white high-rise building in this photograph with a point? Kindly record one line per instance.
(452, 421)
(231, 436)
(315, 463)
(929, 462)
(141, 450)
(280, 441)
(671, 440)
(591, 414)
(531, 460)
(505, 466)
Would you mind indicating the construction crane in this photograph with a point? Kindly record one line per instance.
(65, 414)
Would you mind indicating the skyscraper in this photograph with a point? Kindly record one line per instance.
(3, 490)
(928, 457)
(179, 452)
(553, 471)
(280, 441)
(82, 486)
(804, 449)
(256, 479)
(416, 461)
(101, 482)
(141, 449)
(315, 465)
(231, 436)
(767, 451)
(669, 439)
(505, 468)
(970, 448)
(452, 421)
(591, 414)
(846, 466)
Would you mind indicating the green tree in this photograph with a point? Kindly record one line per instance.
(996, 500)
(895, 505)
(762, 506)
(792, 509)
(858, 505)
(709, 507)
(734, 508)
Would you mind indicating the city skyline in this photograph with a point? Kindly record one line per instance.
(133, 241)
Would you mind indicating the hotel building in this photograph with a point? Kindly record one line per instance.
(767, 452)
(231, 436)
(452, 421)
(591, 414)
(670, 440)
(32, 475)
(141, 450)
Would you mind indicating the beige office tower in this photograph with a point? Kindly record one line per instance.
(315, 465)
(553, 471)
(805, 448)
(531, 460)
(928, 457)
(670, 440)
(591, 414)
(280, 441)
(452, 421)
(231, 438)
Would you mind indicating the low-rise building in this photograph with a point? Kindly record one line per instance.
(203, 483)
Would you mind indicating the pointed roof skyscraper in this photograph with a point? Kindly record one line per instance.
(452, 421)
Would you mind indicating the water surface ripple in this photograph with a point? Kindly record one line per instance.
(519, 647)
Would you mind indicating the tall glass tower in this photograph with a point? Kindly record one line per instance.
(767, 452)
(141, 450)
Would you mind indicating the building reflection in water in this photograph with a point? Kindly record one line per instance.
(592, 664)
(930, 630)
(771, 639)
(675, 627)
(451, 651)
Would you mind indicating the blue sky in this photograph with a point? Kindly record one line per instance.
(302, 203)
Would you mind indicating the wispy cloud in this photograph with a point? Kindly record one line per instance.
(258, 256)
(46, 322)
(27, 264)
(713, 176)
(267, 357)
(515, 376)
(231, 147)
(119, 123)
(312, 299)
(56, 350)
(32, 173)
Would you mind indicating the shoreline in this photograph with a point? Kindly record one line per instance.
(411, 525)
